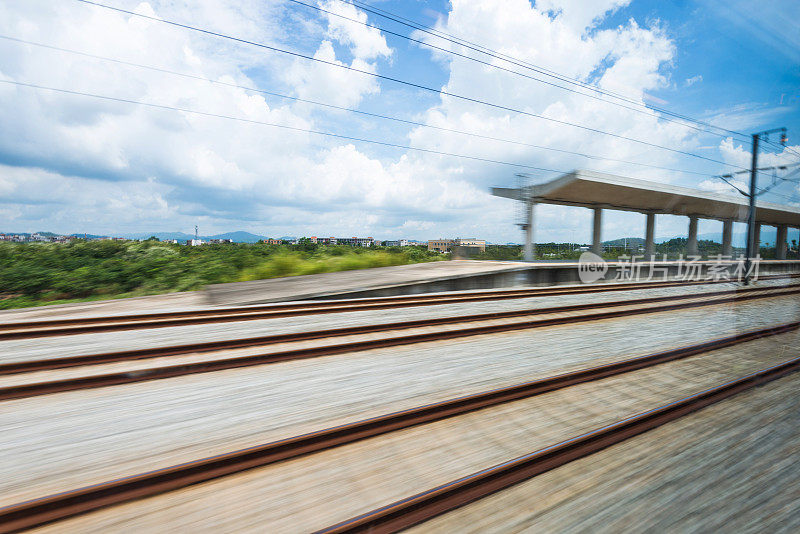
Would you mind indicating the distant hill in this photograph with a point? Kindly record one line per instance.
(768, 237)
(630, 241)
(237, 237)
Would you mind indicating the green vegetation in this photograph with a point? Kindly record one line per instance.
(679, 245)
(500, 252)
(613, 250)
(33, 274)
(544, 251)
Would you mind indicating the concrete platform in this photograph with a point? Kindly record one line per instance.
(383, 281)
(380, 281)
(449, 276)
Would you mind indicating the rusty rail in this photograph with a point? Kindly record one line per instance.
(51, 508)
(174, 350)
(442, 499)
(157, 373)
(85, 325)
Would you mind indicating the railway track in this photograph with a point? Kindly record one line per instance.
(97, 380)
(174, 350)
(430, 503)
(426, 505)
(85, 325)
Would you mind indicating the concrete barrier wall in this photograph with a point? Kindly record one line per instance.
(455, 276)
(560, 274)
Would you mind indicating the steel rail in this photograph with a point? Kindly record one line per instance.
(60, 506)
(423, 506)
(35, 389)
(86, 325)
(173, 350)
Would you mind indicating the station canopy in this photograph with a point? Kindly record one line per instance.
(598, 190)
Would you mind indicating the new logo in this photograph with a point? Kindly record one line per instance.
(591, 267)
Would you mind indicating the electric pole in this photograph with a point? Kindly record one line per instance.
(751, 251)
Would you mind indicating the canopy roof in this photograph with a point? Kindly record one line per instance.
(598, 190)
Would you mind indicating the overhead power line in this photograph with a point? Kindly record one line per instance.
(776, 180)
(303, 130)
(281, 126)
(276, 125)
(341, 108)
(410, 84)
(522, 63)
(639, 107)
(364, 6)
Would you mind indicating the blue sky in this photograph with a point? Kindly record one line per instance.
(78, 164)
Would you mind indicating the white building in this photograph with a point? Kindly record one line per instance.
(356, 241)
(398, 243)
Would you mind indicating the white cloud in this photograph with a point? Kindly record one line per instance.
(636, 55)
(332, 85)
(718, 186)
(737, 154)
(118, 167)
(76, 204)
(579, 15)
(366, 43)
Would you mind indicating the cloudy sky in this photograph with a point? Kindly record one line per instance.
(195, 128)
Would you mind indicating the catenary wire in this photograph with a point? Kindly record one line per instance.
(504, 57)
(642, 109)
(276, 125)
(510, 59)
(283, 126)
(292, 128)
(404, 82)
(341, 108)
(777, 180)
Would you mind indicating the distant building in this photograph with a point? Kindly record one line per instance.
(17, 238)
(471, 242)
(37, 237)
(442, 245)
(270, 241)
(324, 240)
(194, 242)
(219, 241)
(347, 241)
(355, 241)
(398, 243)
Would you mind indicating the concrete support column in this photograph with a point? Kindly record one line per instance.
(780, 242)
(597, 242)
(797, 245)
(691, 244)
(649, 237)
(727, 238)
(757, 240)
(528, 250)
